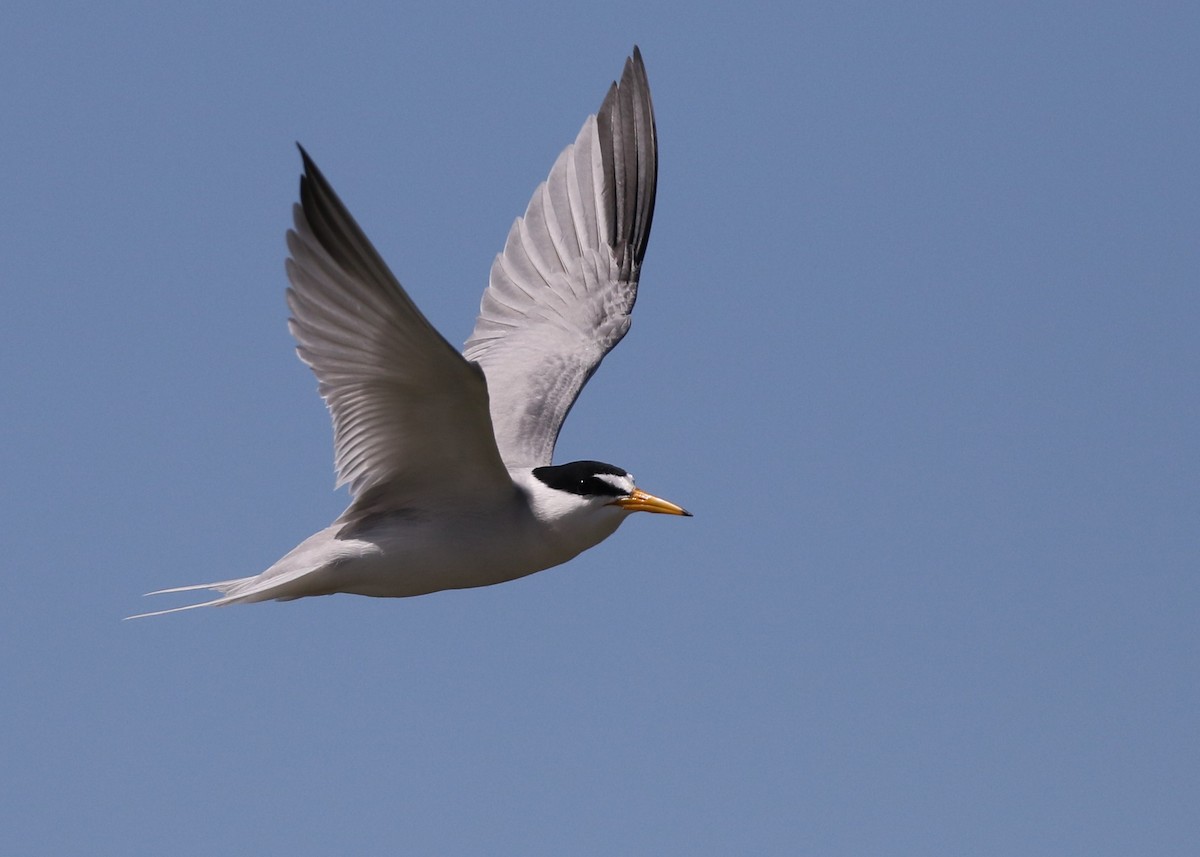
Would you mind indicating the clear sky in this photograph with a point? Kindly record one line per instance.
(916, 343)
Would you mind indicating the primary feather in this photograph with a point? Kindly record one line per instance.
(560, 294)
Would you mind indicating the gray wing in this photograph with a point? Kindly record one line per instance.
(560, 294)
(410, 415)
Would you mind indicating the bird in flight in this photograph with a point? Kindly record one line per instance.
(447, 455)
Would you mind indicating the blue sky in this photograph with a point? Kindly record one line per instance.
(916, 343)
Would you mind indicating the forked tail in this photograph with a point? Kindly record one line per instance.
(237, 591)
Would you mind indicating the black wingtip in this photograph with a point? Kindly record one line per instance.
(629, 155)
(314, 189)
(309, 167)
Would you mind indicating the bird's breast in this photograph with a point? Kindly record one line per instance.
(410, 553)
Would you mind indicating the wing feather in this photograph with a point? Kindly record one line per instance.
(410, 415)
(561, 292)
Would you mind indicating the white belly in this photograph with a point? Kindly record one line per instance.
(400, 555)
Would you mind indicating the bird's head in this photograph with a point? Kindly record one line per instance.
(593, 484)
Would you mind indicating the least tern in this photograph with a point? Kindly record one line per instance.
(447, 455)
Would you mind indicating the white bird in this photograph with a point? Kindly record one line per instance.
(448, 456)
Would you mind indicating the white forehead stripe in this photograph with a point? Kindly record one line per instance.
(621, 483)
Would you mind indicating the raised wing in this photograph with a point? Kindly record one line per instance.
(410, 415)
(560, 294)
